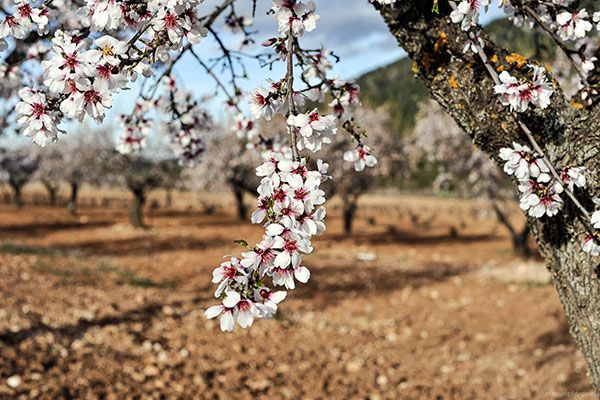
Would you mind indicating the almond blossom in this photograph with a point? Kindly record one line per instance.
(467, 13)
(519, 94)
(315, 129)
(34, 116)
(573, 26)
(290, 192)
(361, 157)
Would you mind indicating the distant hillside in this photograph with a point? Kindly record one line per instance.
(395, 86)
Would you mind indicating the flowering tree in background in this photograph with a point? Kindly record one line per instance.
(140, 174)
(439, 142)
(231, 166)
(50, 171)
(19, 166)
(65, 61)
(350, 177)
(87, 155)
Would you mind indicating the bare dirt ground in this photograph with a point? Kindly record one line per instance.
(424, 301)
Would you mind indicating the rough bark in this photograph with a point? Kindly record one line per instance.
(568, 135)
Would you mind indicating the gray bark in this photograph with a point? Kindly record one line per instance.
(568, 135)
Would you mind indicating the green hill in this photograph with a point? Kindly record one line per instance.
(395, 86)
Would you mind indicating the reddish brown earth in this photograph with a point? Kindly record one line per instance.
(92, 308)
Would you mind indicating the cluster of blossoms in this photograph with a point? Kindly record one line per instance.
(540, 192)
(188, 124)
(81, 75)
(555, 16)
(289, 204)
(24, 18)
(135, 127)
(315, 129)
(533, 89)
(295, 17)
(290, 200)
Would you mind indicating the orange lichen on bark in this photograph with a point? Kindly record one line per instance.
(440, 43)
(517, 59)
(453, 82)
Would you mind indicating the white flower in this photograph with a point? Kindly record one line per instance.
(12, 26)
(361, 157)
(596, 219)
(573, 176)
(518, 95)
(467, 13)
(573, 26)
(33, 115)
(227, 320)
(590, 245)
(270, 300)
(540, 87)
(314, 129)
(538, 206)
(91, 99)
(297, 18)
(264, 104)
(285, 276)
(104, 14)
(109, 50)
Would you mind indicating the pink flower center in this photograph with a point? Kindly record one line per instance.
(25, 11)
(11, 21)
(71, 61)
(279, 195)
(300, 194)
(103, 71)
(314, 117)
(38, 110)
(244, 305)
(265, 254)
(170, 21)
(290, 247)
(259, 99)
(300, 170)
(230, 272)
(91, 97)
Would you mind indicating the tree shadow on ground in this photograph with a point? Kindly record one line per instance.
(37, 229)
(394, 235)
(72, 331)
(329, 285)
(141, 245)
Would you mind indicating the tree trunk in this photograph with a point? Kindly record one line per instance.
(349, 212)
(242, 210)
(16, 187)
(51, 189)
(519, 239)
(137, 212)
(73, 199)
(168, 198)
(568, 135)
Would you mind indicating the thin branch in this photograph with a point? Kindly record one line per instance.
(290, 97)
